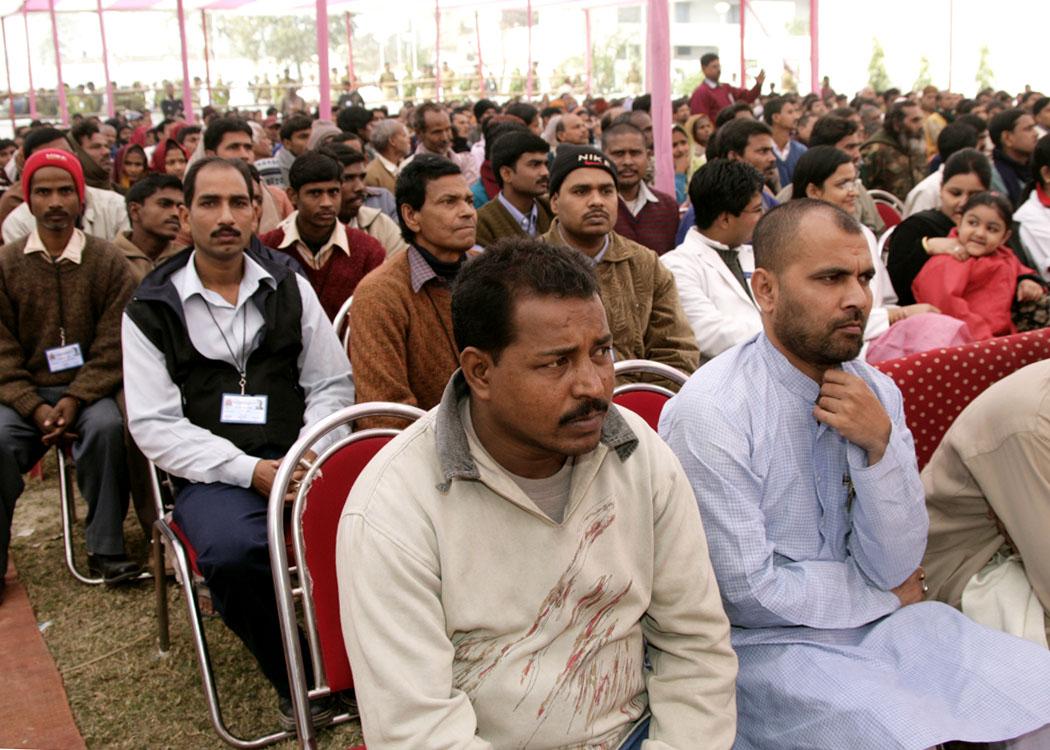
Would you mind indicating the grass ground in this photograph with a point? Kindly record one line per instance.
(104, 641)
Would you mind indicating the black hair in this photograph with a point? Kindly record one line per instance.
(728, 114)
(1002, 122)
(314, 167)
(353, 119)
(419, 116)
(189, 182)
(295, 124)
(150, 185)
(481, 106)
(815, 167)
(993, 200)
(830, 129)
(1040, 159)
(6, 143)
(549, 112)
(894, 121)
(37, 137)
(1040, 105)
(86, 129)
(965, 106)
(707, 58)
(643, 103)
(968, 161)
(411, 187)
(734, 136)
(844, 112)
(955, 136)
(186, 131)
(488, 286)
(773, 106)
(218, 129)
(495, 130)
(342, 153)
(620, 127)
(976, 122)
(509, 147)
(777, 231)
(721, 186)
(526, 112)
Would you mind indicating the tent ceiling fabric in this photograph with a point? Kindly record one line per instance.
(279, 7)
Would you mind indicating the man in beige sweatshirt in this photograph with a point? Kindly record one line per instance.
(525, 566)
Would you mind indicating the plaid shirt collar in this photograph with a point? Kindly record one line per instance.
(420, 271)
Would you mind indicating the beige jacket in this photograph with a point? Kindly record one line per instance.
(641, 301)
(141, 264)
(374, 222)
(474, 621)
(995, 458)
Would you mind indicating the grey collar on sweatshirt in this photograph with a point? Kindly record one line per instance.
(454, 450)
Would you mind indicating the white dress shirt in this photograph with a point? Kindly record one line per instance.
(926, 195)
(105, 216)
(154, 402)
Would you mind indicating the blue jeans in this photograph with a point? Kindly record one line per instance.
(637, 736)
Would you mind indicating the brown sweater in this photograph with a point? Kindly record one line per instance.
(401, 343)
(495, 222)
(93, 297)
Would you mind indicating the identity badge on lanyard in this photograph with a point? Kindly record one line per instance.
(63, 357)
(240, 408)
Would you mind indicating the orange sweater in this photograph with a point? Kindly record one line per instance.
(401, 343)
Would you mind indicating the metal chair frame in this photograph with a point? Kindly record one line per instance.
(67, 501)
(647, 367)
(342, 323)
(162, 530)
(286, 591)
(885, 196)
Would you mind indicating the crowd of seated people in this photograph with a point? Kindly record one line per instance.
(770, 570)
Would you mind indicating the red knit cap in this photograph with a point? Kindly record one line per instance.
(53, 157)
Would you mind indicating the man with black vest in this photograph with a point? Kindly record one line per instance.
(228, 357)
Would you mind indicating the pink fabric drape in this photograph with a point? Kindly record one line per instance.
(658, 73)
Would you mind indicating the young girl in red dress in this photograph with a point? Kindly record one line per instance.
(978, 278)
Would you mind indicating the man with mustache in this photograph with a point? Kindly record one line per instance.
(542, 546)
(61, 296)
(228, 357)
(817, 524)
(644, 215)
(519, 162)
(401, 342)
(639, 294)
(334, 257)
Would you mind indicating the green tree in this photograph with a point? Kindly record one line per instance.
(985, 75)
(878, 78)
(284, 40)
(924, 78)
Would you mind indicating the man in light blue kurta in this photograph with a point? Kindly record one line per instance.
(806, 477)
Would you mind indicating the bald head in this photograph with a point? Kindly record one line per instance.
(778, 235)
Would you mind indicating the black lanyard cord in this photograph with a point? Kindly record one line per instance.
(242, 365)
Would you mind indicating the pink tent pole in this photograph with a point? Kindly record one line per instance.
(481, 64)
(589, 62)
(33, 113)
(324, 78)
(951, 39)
(111, 106)
(437, 49)
(814, 45)
(7, 70)
(350, 50)
(63, 106)
(658, 73)
(528, 80)
(187, 96)
(207, 62)
(743, 62)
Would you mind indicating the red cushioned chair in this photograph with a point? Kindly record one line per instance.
(185, 563)
(314, 522)
(646, 399)
(938, 384)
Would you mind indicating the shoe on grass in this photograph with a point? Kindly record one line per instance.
(113, 569)
(321, 711)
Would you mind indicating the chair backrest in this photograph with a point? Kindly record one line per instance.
(315, 519)
(938, 384)
(883, 244)
(888, 212)
(885, 196)
(342, 323)
(646, 399)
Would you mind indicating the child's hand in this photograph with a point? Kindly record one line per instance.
(1029, 291)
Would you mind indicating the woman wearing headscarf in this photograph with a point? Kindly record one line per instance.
(129, 166)
(169, 158)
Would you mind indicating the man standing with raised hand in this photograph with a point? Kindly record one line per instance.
(711, 97)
